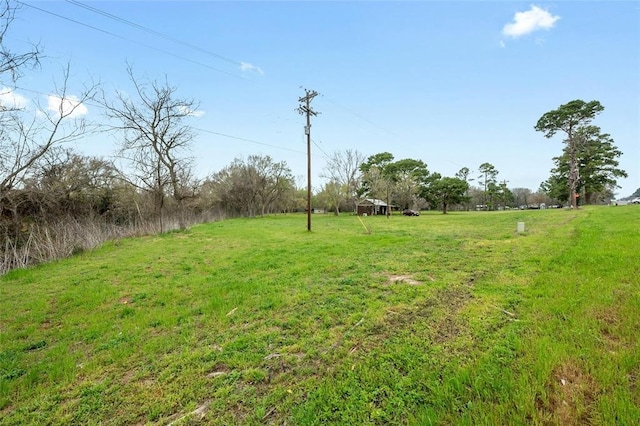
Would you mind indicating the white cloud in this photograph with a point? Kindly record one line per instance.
(69, 106)
(527, 22)
(9, 99)
(502, 44)
(197, 113)
(191, 112)
(245, 66)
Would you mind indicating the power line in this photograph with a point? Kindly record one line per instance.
(175, 40)
(129, 40)
(373, 124)
(247, 140)
(192, 46)
(93, 104)
(152, 31)
(326, 156)
(362, 117)
(100, 106)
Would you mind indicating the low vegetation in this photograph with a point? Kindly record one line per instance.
(435, 319)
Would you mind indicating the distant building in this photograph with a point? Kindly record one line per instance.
(372, 206)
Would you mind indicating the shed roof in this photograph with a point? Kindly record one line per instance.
(372, 201)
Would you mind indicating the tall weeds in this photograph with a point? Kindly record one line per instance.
(46, 242)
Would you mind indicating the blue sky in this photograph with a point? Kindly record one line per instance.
(455, 84)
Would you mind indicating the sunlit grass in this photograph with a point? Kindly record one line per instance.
(433, 319)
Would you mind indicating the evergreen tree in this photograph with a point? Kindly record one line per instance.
(597, 162)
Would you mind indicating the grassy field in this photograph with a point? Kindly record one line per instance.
(437, 319)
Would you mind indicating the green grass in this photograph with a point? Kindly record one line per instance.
(436, 319)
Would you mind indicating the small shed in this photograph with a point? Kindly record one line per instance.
(372, 206)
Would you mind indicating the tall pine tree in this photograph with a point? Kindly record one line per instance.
(597, 161)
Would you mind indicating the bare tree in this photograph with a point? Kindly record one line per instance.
(26, 136)
(330, 196)
(275, 179)
(256, 186)
(343, 170)
(522, 196)
(12, 63)
(156, 140)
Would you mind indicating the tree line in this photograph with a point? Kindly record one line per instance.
(409, 184)
(586, 170)
(55, 201)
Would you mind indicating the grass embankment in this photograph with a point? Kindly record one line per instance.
(427, 320)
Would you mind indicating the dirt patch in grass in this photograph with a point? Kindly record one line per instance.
(571, 393)
(47, 324)
(609, 322)
(127, 377)
(450, 325)
(406, 279)
(437, 317)
(196, 415)
(445, 330)
(454, 297)
(218, 370)
(608, 316)
(613, 334)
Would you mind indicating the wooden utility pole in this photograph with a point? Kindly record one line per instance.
(305, 109)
